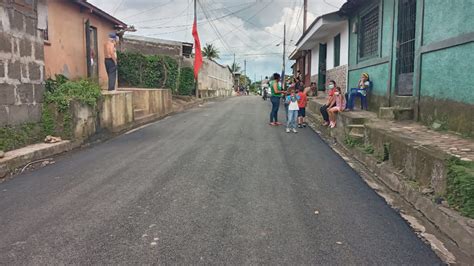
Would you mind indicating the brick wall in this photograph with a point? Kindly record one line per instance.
(21, 63)
(339, 75)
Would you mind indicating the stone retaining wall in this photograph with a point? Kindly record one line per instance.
(21, 64)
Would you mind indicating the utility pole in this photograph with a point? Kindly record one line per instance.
(233, 73)
(196, 83)
(245, 70)
(284, 55)
(305, 15)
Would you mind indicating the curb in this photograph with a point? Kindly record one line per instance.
(457, 228)
(23, 156)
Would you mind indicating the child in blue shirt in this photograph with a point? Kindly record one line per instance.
(292, 101)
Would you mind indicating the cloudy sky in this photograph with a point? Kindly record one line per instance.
(252, 29)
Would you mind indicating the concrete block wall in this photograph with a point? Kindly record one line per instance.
(339, 75)
(21, 64)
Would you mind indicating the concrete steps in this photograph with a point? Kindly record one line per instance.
(356, 129)
(396, 113)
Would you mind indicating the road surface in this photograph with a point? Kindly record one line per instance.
(213, 185)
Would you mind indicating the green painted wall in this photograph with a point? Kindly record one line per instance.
(446, 19)
(378, 76)
(387, 14)
(448, 74)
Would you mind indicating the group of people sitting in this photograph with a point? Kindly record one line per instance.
(337, 102)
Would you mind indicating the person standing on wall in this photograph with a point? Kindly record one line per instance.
(111, 60)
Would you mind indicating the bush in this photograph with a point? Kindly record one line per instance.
(460, 190)
(186, 81)
(56, 117)
(84, 91)
(14, 137)
(147, 71)
(53, 84)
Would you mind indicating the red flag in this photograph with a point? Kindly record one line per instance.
(197, 49)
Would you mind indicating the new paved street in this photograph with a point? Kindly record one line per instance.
(215, 185)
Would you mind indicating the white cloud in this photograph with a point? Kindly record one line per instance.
(252, 39)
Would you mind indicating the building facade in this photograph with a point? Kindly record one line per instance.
(419, 55)
(74, 39)
(321, 53)
(21, 63)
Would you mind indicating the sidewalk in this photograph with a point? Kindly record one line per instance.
(410, 159)
(447, 142)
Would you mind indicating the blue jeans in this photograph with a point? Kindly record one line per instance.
(275, 106)
(292, 115)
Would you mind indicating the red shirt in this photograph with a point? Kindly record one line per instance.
(332, 91)
(303, 99)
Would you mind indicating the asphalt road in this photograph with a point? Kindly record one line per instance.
(213, 185)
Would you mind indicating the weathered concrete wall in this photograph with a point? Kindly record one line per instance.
(150, 102)
(65, 52)
(214, 79)
(84, 121)
(116, 112)
(21, 64)
(150, 46)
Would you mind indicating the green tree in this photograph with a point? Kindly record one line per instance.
(210, 51)
(235, 67)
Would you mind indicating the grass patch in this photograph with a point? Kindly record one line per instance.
(352, 142)
(368, 149)
(14, 137)
(460, 190)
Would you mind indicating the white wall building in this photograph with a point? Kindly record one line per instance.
(321, 53)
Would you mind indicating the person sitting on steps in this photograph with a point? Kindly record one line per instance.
(339, 106)
(362, 87)
(330, 102)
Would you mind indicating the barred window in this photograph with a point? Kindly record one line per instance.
(369, 34)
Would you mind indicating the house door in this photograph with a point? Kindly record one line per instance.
(322, 66)
(406, 46)
(92, 50)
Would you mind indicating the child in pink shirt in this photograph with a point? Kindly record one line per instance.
(338, 107)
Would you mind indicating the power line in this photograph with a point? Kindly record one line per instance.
(203, 21)
(237, 27)
(165, 18)
(148, 10)
(325, 1)
(117, 6)
(213, 26)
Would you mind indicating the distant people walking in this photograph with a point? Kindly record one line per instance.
(111, 60)
(265, 88)
(276, 94)
(292, 100)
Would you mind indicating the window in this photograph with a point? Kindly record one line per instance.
(369, 34)
(43, 20)
(337, 50)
